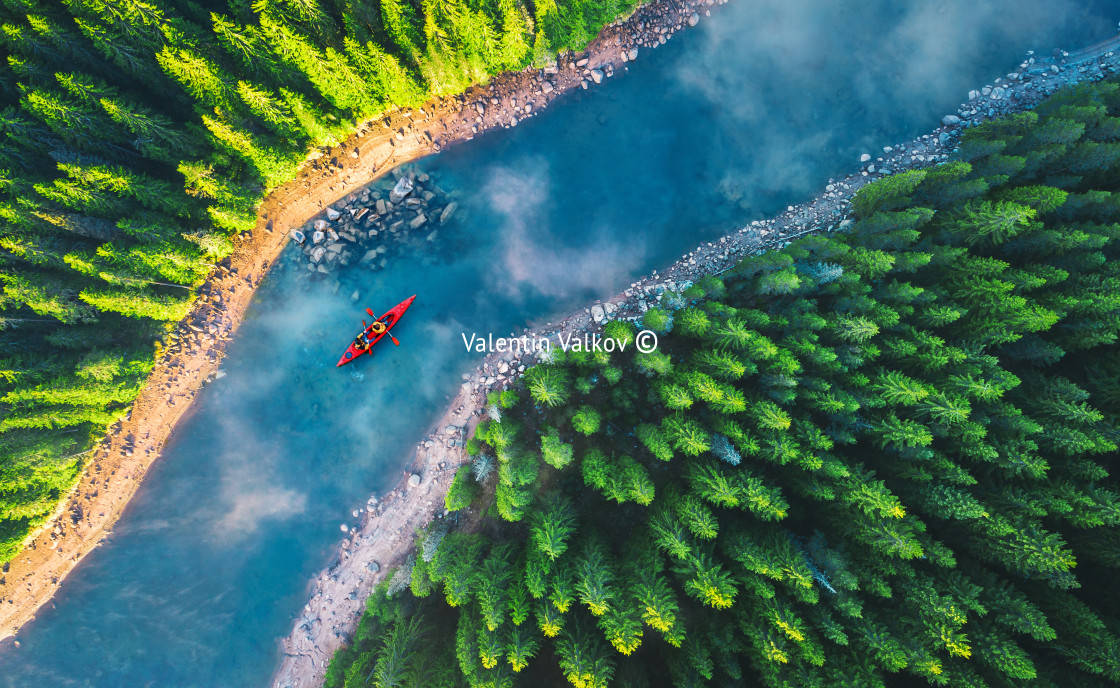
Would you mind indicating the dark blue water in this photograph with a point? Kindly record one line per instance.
(729, 122)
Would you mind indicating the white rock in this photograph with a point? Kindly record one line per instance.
(598, 314)
(694, 19)
(597, 76)
(633, 55)
(950, 120)
(865, 157)
(402, 189)
(333, 214)
(414, 480)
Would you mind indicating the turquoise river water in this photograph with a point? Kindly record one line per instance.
(734, 120)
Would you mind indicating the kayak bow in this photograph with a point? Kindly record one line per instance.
(389, 319)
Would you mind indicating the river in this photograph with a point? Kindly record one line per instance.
(734, 120)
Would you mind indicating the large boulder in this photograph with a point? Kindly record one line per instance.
(402, 189)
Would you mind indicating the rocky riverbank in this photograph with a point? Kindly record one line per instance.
(384, 537)
(403, 212)
(192, 354)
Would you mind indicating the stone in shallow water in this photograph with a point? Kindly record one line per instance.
(414, 480)
(402, 189)
(694, 19)
(448, 212)
(332, 214)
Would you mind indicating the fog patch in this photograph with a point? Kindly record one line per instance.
(534, 258)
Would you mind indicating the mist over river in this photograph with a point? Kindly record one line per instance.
(751, 111)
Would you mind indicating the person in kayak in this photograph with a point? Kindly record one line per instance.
(362, 341)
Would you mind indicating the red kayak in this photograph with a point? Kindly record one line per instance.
(388, 320)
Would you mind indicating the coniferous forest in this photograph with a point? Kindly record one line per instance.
(139, 136)
(877, 457)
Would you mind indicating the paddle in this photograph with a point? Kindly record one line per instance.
(370, 311)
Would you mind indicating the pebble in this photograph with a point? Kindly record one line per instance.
(865, 157)
(414, 480)
(694, 19)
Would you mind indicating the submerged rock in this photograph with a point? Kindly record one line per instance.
(332, 214)
(448, 212)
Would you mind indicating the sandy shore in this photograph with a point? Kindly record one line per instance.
(114, 470)
(385, 537)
